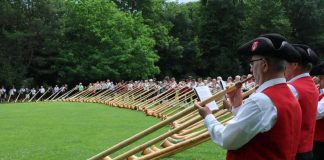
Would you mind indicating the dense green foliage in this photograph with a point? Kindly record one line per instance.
(105, 43)
(76, 131)
(67, 41)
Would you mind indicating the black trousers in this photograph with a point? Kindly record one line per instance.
(305, 156)
(318, 150)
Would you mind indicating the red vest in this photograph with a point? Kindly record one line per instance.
(280, 141)
(319, 129)
(308, 100)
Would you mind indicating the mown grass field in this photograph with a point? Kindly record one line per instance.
(32, 131)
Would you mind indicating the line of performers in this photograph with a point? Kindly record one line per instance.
(283, 119)
(25, 94)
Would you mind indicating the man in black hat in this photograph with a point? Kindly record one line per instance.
(266, 125)
(318, 149)
(304, 89)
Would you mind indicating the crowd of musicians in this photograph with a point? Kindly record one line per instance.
(24, 93)
(283, 119)
(214, 84)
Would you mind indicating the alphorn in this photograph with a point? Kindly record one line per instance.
(99, 93)
(134, 98)
(121, 97)
(153, 100)
(79, 94)
(161, 124)
(80, 97)
(9, 97)
(34, 96)
(96, 97)
(172, 103)
(172, 112)
(173, 149)
(26, 96)
(112, 94)
(17, 97)
(65, 94)
(185, 143)
(175, 102)
(92, 95)
(90, 92)
(53, 93)
(131, 98)
(56, 95)
(144, 97)
(42, 95)
(152, 103)
(165, 135)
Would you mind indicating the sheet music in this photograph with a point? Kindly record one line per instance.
(203, 93)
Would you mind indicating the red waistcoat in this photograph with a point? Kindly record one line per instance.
(308, 100)
(280, 141)
(319, 129)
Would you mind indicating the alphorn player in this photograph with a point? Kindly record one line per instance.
(268, 123)
(304, 89)
(318, 149)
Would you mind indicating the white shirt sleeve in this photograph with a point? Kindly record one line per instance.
(256, 115)
(320, 109)
(293, 91)
(235, 110)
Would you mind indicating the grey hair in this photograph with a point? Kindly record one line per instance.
(276, 64)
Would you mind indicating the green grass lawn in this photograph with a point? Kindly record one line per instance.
(76, 131)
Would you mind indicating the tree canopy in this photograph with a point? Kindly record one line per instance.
(68, 41)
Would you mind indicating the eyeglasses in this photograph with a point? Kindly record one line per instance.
(251, 62)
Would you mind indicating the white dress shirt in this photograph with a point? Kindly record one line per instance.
(321, 91)
(292, 88)
(320, 106)
(256, 115)
(320, 109)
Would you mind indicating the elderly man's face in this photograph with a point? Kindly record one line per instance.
(257, 68)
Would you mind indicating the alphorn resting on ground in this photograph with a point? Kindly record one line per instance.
(161, 124)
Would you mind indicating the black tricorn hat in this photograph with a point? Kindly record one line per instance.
(275, 38)
(317, 70)
(273, 45)
(307, 54)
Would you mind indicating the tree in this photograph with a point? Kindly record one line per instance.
(307, 21)
(219, 37)
(103, 42)
(264, 17)
(29, 31)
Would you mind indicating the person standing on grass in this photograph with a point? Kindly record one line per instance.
(266, 126)
(80, 87)
(2, 94)
(304, 89)
(318, 145)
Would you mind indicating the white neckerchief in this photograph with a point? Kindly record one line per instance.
(299, 76)
(270, 83)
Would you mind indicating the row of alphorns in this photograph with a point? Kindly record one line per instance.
(174, 107)
(187, 130)
(38, 96)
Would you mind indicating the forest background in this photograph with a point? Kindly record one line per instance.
(70, 41)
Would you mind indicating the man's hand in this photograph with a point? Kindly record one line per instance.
(203, 110)
(235, 97)
(227, 105)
